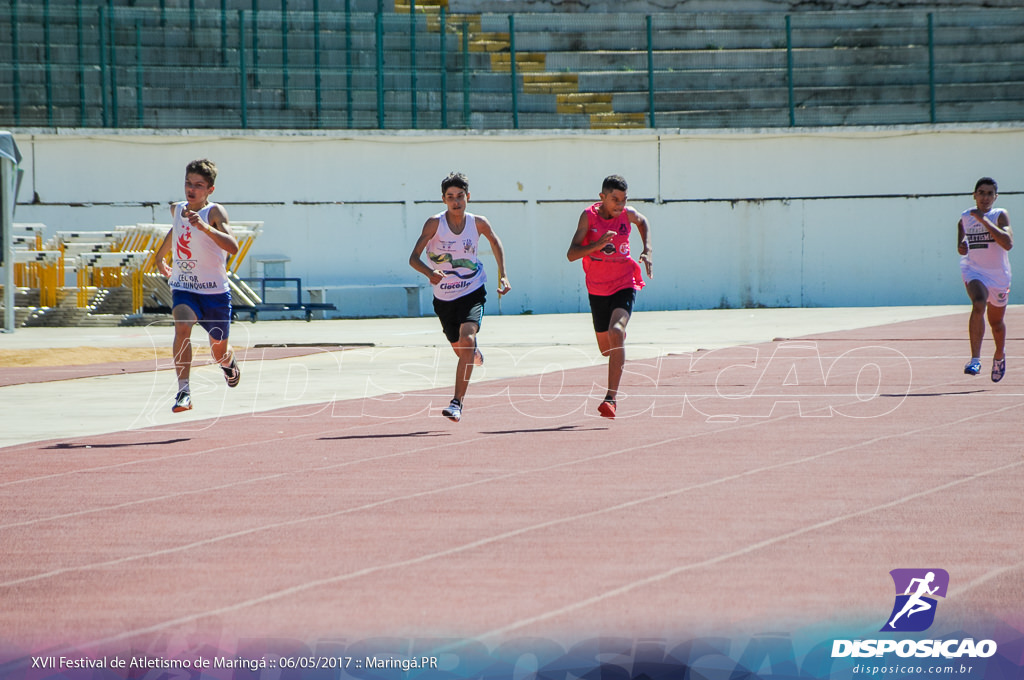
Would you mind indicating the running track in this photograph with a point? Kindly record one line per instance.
(759, 488)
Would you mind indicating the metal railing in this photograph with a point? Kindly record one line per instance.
(157, 67)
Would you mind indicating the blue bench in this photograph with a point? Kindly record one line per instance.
(259, 285)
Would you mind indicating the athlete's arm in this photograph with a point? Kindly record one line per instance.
(961, 238)
(577, 250)
(483, 227)
(643, 227)
(217, 228)
(1000, 231)
(416, 257)
(1004, 223)
(162, 252)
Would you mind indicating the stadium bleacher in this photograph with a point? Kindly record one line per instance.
(367, 65)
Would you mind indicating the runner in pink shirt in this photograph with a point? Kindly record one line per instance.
(601, 241)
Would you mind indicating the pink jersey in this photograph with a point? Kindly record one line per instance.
(610, 269)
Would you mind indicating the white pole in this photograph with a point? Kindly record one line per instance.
(7, 200)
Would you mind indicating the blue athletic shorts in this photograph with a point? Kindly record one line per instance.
(212, 311)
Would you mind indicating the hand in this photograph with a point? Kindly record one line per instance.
(503, 286)
(193, 219)
(605, 239)
(164, 268)
(436, 276)
(961, 248)
(645, 258)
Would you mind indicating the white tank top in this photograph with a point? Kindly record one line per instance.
(983, 253)
(199, 263)
(455, 254)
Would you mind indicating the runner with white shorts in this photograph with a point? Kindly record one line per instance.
(984, 238)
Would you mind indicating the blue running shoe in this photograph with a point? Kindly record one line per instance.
(182, 402)
(998, 369)
(973, 367)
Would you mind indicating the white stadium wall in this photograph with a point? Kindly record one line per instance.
(802, 217)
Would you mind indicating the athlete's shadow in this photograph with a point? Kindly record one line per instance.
(559, 428)
(65, 446)
(425, 433)
(933, 394)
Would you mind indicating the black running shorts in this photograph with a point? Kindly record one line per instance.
(601, 307)
(467, 309)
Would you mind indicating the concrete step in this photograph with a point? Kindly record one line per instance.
(844, 63)
(182, 6)
(424, 6)
(584, 102)
(107, 307)
(751, 98)
(21, 315)
(148, 319)
(102, 321)
(613, 121)
(550, 83)
(489, 42)
(113, 301)
(525, 62)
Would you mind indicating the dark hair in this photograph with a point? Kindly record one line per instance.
(612, 183)
(203, 167)
(986, 180)
(454, 179)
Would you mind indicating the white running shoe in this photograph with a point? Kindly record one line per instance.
(453, 411)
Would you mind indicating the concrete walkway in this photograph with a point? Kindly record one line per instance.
(385, 356)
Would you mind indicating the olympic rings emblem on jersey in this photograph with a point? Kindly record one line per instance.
(186, 265)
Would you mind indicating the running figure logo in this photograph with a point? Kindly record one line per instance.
(914, 610)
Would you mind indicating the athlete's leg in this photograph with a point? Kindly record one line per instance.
(184, 318)
(612, 345)
(978, 293)
(216, 320)
(995, 320)
(220, 346)
(465, 349)
(478, 356)
(222, 351)
(224, 355)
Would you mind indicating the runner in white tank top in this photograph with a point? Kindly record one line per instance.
(457, 276)
(984, 238)
(199, 243)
